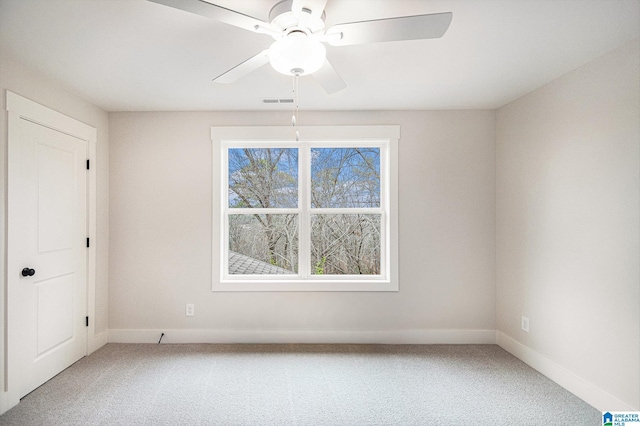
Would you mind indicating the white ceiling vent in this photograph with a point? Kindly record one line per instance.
(275, 101)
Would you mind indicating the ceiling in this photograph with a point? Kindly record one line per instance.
(134, 55)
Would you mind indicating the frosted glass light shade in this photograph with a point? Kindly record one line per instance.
(297, 53)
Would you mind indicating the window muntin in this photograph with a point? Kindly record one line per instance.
(308, 215)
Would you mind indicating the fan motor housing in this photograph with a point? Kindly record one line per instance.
(283, 17)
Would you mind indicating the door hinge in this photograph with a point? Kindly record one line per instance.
(87, 242)
(86, 321)
(87, 164)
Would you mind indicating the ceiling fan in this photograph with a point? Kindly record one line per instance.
(298, 28)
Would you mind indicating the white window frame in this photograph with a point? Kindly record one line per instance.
(384, 137)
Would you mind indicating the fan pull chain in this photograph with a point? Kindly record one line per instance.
(294, 117)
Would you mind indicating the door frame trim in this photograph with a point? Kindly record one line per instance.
(20, 108)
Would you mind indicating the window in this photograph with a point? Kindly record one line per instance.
(319, 214)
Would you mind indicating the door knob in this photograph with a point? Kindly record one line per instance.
(26, 272)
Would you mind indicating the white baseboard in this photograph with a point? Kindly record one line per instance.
(7, 402)
(583, 389)
(304, 336)
(97, 341)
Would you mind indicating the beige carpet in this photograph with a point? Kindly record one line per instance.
(300, 385)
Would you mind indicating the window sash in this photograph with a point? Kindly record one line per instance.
(304, 253)
(304, 209)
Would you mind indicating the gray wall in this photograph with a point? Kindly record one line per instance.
(568, 237)
(160, 215)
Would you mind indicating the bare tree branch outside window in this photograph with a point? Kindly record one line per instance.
(341, 178)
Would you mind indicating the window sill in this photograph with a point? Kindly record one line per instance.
(311, 285)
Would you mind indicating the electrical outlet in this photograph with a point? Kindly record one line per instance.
(525, 324)
(191, 310)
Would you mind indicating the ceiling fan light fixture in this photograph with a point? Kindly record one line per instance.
(297, 53)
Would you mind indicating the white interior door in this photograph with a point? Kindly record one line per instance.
(47, 254)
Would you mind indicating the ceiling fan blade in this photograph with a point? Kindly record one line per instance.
(315, 6)
(329, 78)
(218, 13)
(244, 68)
(391, 29)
